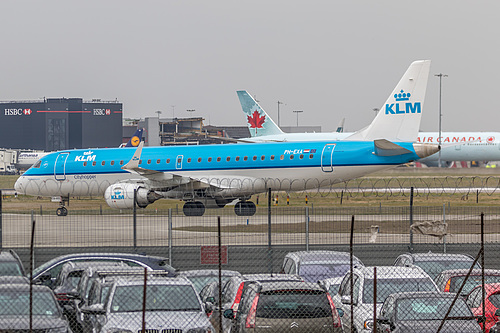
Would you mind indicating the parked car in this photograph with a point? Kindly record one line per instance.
(318, 265)
(284, 306)
(172, 305)
(233, 290)
(389, 280)
(491, 303)
(416, 312)
(6, 279)
(201, 277)
(435, 263)
(331, 285)
(15, 309)
(11, 264)
(46, 273)
(451, 280)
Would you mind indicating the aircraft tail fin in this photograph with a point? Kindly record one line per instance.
(399, 118)
(340, 127)
(258, 121)
(135, 139)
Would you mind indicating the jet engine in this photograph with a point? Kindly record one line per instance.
(121, 196)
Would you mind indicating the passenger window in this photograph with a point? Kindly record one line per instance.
(84, 163)
(121, 162)
(140, 161)
(189, 160)
(94, 163)
(262, 157)
(237, 158)
(168, 160)
(301, 156)
(282, 157)
(158, 161)
(218, 159)
(210, 159)
(272, 157)
(311, 156)
(103, 163)
(291, 157)
(228, 159)
(254, 158)
(245, 158)
(112, 163)
(199, 159)
(149, 161)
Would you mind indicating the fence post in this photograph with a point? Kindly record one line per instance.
(307, 228)
(135, 221)
(444, 221)
(170, 236)
(411, 219)
(375, 299)
(269, 232)
(32, 247)
(351, 272)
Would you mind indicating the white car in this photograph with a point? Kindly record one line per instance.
(389, 280)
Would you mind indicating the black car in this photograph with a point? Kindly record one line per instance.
(423, 312)
(46, 274)
(15, 309)
(10, 264)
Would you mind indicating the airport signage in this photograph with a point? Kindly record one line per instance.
(101, 112)
(17, 112)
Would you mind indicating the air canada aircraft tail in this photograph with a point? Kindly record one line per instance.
(258, 121)
(399, 118)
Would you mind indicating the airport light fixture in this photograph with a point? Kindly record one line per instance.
(297, 112)
(440, 75)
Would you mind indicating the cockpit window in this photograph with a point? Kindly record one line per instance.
(37, 164)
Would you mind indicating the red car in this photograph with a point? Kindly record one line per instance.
(491, 304)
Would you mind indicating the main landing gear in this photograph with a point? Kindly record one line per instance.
(197, 208)
(62, 211)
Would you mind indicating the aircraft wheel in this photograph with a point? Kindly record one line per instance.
(193, 208)
(245, 208)
(62, 211)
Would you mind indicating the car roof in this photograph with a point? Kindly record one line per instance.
(439, 256)
(272, 277)
(209, 272)
(422, 294)
(321, 256)
(461, 272)
(152, 280)
(289, 285)
(391, 272)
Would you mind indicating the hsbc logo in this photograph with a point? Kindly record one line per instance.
(17, 112)
(101, 112)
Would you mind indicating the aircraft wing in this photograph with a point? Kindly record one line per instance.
(160, 179)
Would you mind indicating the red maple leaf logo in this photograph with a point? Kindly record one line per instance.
(256, 121)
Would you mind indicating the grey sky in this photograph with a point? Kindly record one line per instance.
(331, 59)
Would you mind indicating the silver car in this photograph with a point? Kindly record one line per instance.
(171, 305)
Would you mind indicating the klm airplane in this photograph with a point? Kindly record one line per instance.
(211, 176)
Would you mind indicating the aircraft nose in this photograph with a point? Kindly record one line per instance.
(19, 185)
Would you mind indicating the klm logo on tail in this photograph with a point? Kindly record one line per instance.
(402, 107)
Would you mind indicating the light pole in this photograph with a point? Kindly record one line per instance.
(279, 112)
(297, 112)
(440, 75)
(159, 125)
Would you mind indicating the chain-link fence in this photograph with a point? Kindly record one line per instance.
(131, 292)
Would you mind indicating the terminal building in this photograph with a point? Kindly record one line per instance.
(60, 123)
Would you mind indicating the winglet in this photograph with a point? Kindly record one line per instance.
(258, 121)
(134, 161)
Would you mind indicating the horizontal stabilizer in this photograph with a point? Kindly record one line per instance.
(386, 148)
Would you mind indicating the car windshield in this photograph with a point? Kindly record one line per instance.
(430, 308)
(472, 281)
(293, 304)
(433, 268)
(385, 287)
(334, 289)
(17, 303)
(317, 271)
(10, 268)
(495, 300)
(158, 298)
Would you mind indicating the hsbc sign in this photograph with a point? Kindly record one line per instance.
(101, 112)
(17, 112)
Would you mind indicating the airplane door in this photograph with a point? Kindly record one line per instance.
(326, 157)
(60, 166)
(178, 162)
